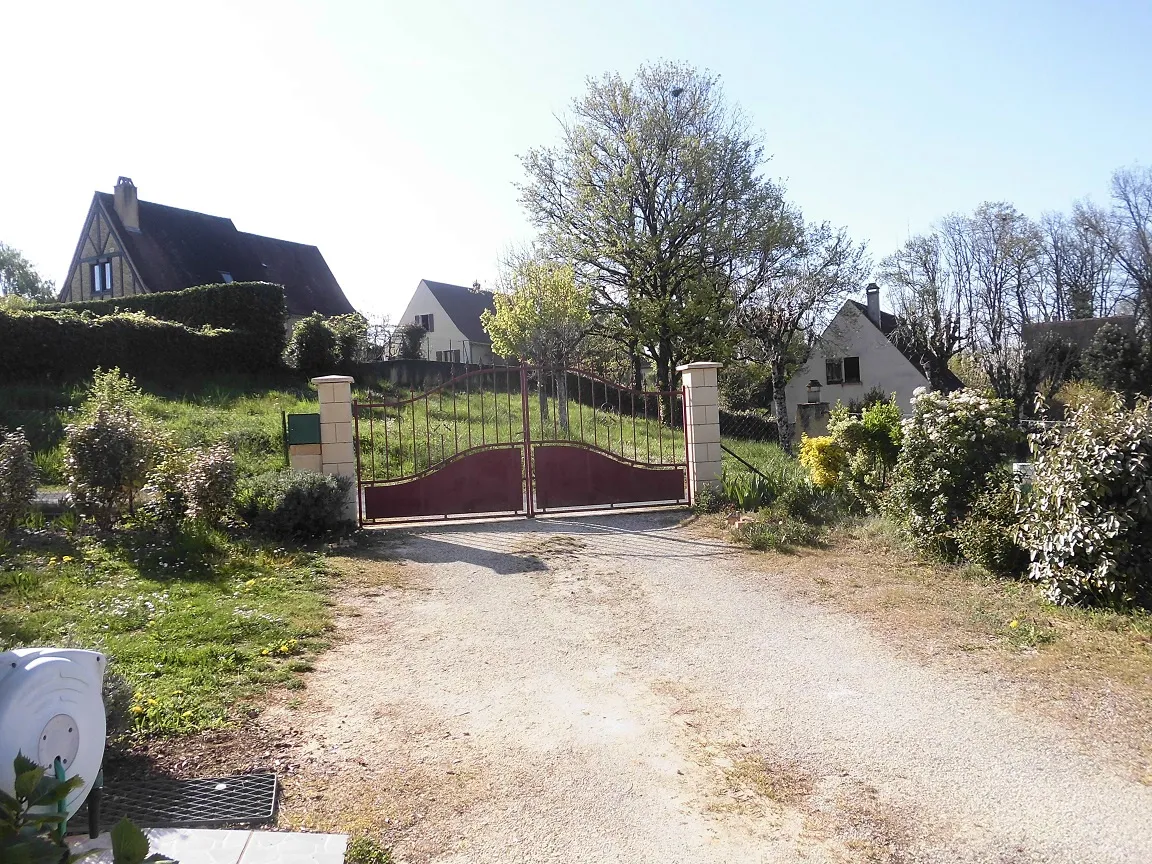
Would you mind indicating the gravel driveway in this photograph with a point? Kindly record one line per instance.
(615, 689)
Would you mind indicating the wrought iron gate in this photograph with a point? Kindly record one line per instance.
(517, 441)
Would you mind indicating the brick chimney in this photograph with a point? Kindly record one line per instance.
(127, 205)
(873, 292)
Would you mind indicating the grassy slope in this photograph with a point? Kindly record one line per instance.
(194, 625)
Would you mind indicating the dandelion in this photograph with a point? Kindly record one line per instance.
(1014, 624)
(66, 558)
(137, 709)
(265, 652)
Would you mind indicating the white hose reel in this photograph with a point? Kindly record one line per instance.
(51, 708)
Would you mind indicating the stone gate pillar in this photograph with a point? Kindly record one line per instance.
(702, 410)
(337, 454)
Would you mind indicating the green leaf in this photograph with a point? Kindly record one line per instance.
(22, 764)
(51, 791)
(26, 782)
(129, 845)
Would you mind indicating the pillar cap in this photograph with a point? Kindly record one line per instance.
(703, 364)
(333, 379)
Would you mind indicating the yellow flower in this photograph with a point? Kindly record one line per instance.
(153, 702)
(186, 714)
(137, 709)
(1014, 624)
(67, 558)
(265, 652)
(250, 582)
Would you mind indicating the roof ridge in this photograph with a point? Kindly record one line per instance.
(111, 197)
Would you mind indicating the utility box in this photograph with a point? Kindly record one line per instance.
(303, 429)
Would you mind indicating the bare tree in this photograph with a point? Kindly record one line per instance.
(931, 304)
(1125, 228)
(1079, 273)
(794, 296)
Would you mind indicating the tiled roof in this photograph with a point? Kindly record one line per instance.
(463, 306)
(176, 249)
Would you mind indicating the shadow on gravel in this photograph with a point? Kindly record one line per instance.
(499, 545)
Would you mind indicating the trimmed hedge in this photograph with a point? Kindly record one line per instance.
(36, 345)
(253, 308)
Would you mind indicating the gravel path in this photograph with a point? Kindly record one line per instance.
(615, 689)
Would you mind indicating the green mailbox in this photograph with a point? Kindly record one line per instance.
(303, 429)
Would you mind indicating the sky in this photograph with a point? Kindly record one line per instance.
(389, 134)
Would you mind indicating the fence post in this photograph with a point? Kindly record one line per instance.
(702, 421)
(337, 453)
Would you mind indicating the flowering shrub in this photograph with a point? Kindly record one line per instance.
(824, 458)
(210, 484)
(17, 478)
(951, 443)
(870, 445)
(1088, 517)
(165, 502)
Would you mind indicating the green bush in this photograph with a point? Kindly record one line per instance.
(58, 345)
(871, 446)
(351, 332)
(313, 347)
(951, 444)
(987, 536)
(254, 309)
(1112, 360)
(1088, 515)
(298, 505)
(50, 466)
(17, 478)
(108, 452)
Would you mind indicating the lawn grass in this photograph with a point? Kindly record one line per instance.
(197, 624)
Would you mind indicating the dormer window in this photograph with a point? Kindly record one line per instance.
(225, 276)
(102, 277)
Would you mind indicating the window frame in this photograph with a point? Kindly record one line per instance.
(102, 276)
(831, 363)
(844, 370)
(428, 322)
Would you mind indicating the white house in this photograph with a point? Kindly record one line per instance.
(855, 354)
(450, 315)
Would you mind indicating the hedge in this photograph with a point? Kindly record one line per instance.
(254, 308)
(750, 425)
(36, 345)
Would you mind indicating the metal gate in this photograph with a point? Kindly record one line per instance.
(512, 441)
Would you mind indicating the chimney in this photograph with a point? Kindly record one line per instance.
(127, 206)
(873, 292)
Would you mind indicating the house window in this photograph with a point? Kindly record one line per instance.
(452, 356)
(842, 370)
(226, 276)
(102, 277)
(424, 321)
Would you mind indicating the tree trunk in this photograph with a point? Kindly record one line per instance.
(562, 397)
(542, 393)
(780, 404)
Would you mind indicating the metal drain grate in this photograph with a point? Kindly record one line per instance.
(244, 799)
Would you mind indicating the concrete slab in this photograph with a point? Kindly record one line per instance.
(211, 846)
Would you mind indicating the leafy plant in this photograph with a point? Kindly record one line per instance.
(951, 444)
(411, 341)
(747, 490)
(50, 465)
(295, 504)
(1088, 518)
(31, 824)
(987, 536)
(313, 347)
(17, 478)
(210, 484)
(363, 849)
(824, 458)
(106, 460)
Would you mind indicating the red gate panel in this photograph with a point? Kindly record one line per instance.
(483, 481)
(572, 476)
